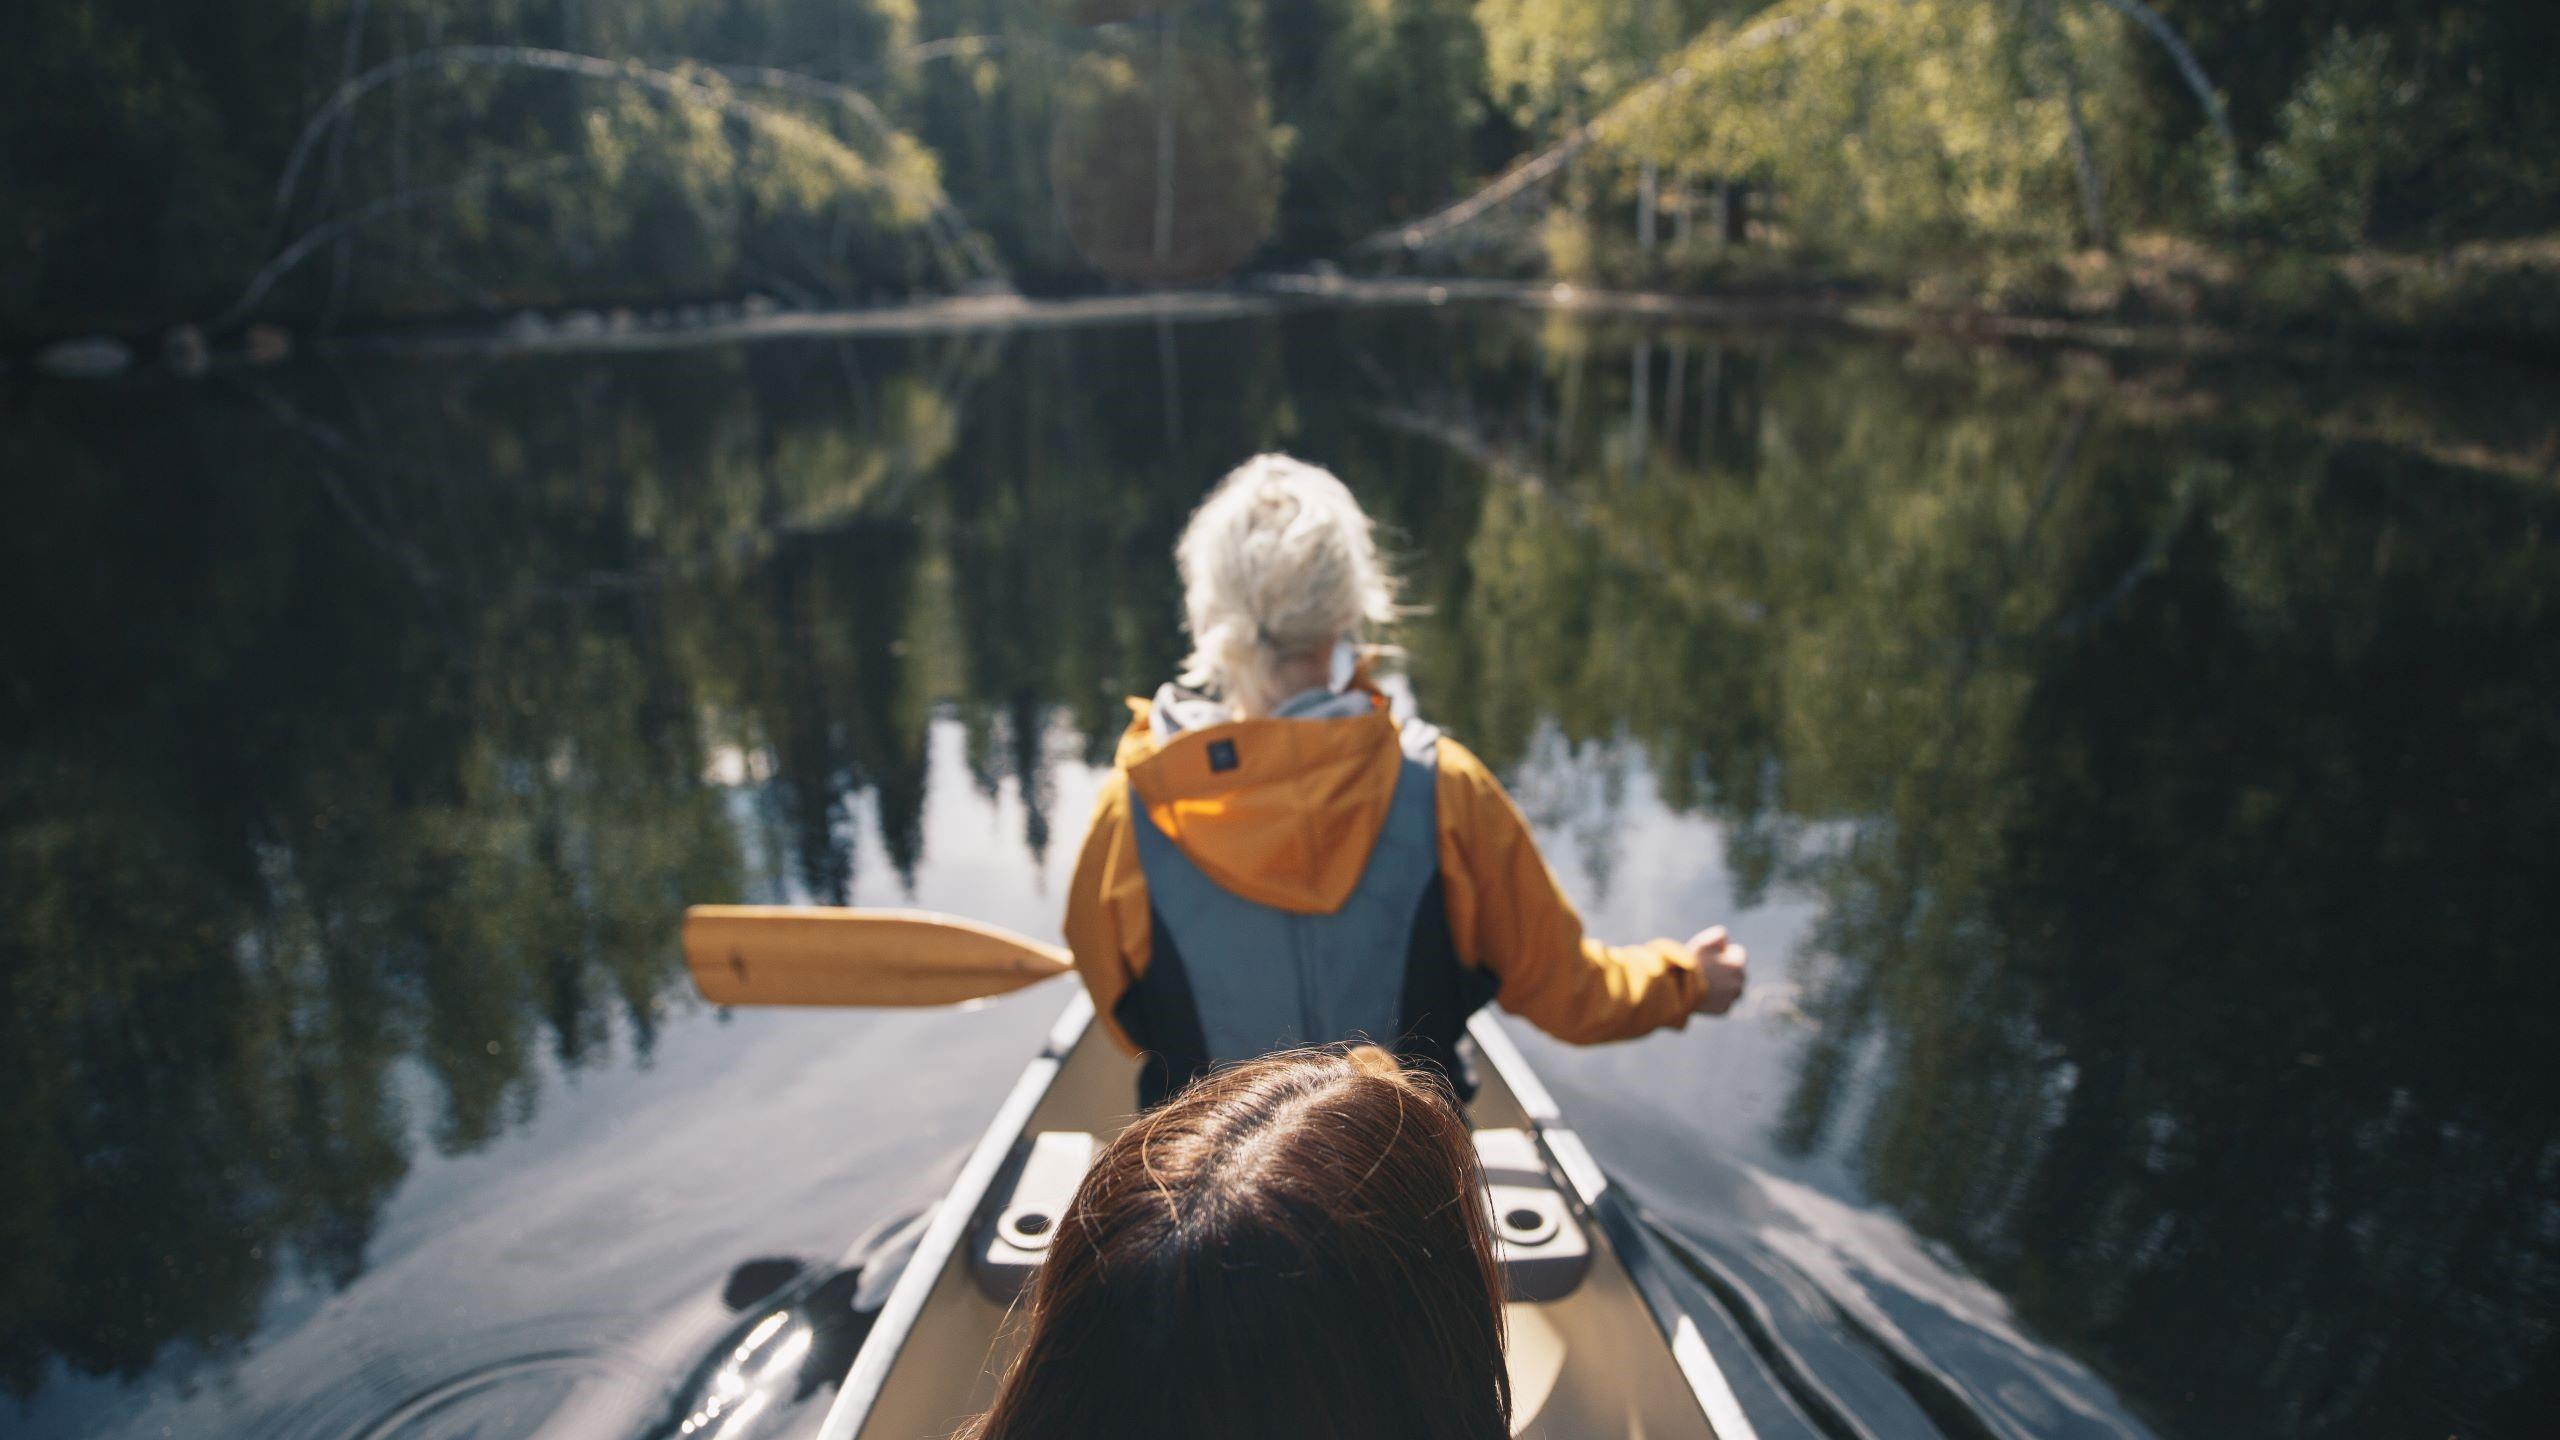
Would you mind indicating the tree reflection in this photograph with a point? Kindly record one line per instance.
(2160, 748)
(2164, 764)
(2199, 982)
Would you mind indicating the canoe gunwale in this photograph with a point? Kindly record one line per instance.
(953, 1216)
(1605, 1206)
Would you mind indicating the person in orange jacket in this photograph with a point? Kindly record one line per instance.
(1276, 861)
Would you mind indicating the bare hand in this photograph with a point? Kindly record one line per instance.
(1723, 963)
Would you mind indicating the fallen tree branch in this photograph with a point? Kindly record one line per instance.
(1413, 235)
(1545, 164)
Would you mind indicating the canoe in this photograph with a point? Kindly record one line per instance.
(1599, 1347)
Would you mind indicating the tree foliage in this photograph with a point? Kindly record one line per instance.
(471, 155)
(2348, 123)
(1924, 124)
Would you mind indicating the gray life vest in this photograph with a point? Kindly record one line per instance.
(1230, 978)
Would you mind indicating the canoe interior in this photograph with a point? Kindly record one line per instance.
(1595, 1365)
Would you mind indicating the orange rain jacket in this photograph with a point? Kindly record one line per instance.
(1284, 812)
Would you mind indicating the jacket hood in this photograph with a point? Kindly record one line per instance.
(1281, 810)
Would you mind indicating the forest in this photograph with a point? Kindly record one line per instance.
(327, 164)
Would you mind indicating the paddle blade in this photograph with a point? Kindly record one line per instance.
(823, 955)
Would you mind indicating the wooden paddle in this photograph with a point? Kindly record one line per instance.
(825, 955)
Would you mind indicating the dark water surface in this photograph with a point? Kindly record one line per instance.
(2138, 786)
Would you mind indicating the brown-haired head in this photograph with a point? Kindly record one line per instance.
(1293, 1248)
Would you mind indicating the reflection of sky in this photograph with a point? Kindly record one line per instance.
(572, 1264)
(581, 1253)
(598, 1235)
(1684, 1119)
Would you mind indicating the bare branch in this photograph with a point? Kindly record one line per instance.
(957, 230)
(591, 67)
(313, 240)
(2084, 160)
(352, 50)
(345, 97)
(1547, 163)
(2193, 73)
(1413, 235)
(945, 229)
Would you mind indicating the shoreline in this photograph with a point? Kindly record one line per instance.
(1835, 310)
(1864, 315)
(581, 331)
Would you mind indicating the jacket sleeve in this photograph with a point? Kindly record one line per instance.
(1507, 915)
(1107, 925)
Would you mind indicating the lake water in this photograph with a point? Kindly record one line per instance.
(2137, 783)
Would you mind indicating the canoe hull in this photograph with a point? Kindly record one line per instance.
(1615, 1358)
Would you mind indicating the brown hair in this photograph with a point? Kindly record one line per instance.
(1294, 1248)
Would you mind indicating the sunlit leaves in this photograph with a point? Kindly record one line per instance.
(1891, 123)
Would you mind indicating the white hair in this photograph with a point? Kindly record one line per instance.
(1278, 563)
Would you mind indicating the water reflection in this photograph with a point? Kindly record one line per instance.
(2164, 754)
(797, 1339)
